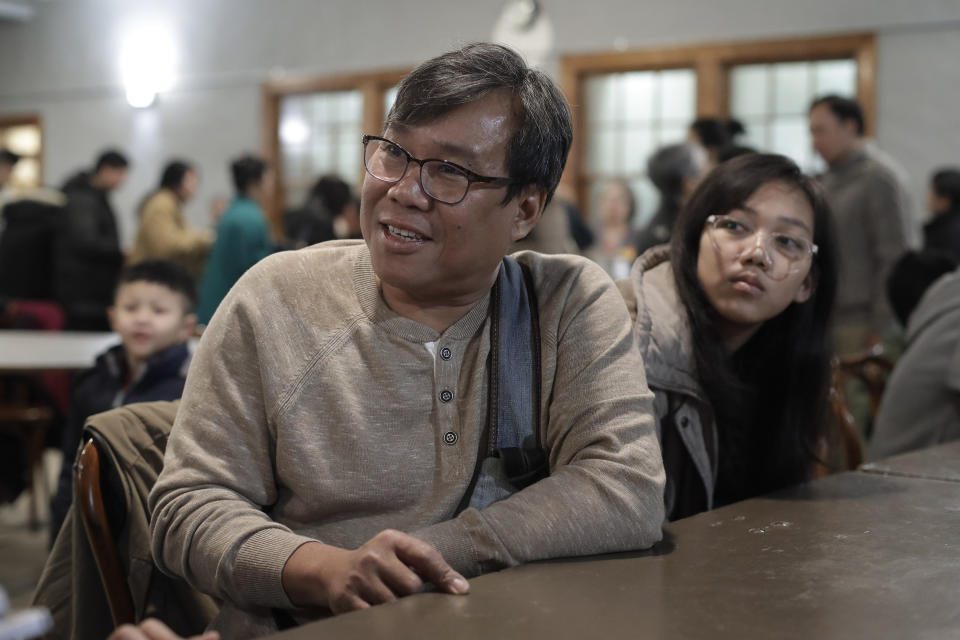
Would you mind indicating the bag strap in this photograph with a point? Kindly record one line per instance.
(512, 430)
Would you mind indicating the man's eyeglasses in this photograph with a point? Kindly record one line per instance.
(442, 180)
(783, 253)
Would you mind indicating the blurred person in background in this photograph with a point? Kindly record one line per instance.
(675, 171)
(615, 248)
(943, 202)
(329, 198)
(87, 255)
(870, 208)
(716, 136)
(164, 233)
(243, 237)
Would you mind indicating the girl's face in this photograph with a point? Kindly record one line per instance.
(745, 268)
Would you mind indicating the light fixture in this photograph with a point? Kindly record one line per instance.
(147, 61)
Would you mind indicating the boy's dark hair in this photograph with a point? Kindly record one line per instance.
(113, 159)
(168, 274)
(247, 170)
(912, 275)
(174, 173)
(946, 184)
(843, 108)
(9, 157)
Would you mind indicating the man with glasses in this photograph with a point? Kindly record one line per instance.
(339, 440)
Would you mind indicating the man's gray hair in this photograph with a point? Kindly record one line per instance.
(538, 149)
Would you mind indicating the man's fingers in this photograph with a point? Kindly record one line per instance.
(430, 565)
(156, 630)
(400, 578)
(127, 632)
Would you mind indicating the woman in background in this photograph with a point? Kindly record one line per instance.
(164, 233)
(732, 320)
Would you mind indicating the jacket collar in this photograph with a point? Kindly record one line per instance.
(172, 361)
(663, 325)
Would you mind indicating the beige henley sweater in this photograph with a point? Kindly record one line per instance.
(312, 411)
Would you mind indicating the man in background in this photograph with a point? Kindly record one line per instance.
(871, 213)
(87, 252)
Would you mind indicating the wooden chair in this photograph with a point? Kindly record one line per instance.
(91, 479)
(842, 447)
(28, 422)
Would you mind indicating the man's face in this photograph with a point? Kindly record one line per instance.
(110, 178)
(457, 248)
(832, 137)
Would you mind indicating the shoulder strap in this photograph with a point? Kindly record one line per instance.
(511, 456)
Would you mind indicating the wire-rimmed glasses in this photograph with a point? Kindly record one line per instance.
(784, 253)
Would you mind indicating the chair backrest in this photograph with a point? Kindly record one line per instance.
(843, 446)
(96, 523)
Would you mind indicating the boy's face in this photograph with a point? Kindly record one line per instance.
(149, 318)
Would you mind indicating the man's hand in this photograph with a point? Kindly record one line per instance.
(390, 565)
(151, 629)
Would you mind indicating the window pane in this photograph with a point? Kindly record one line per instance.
(781, 124)
(319, 133)
(602, 157)
(790, 136)
(748, 90)
(791, 87)
(835, 76)
(638, 144)
(678, 94)
(637, 90)
(601, 98)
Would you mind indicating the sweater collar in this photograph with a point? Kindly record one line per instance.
(379, 312)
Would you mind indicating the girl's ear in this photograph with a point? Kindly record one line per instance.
(807, 287)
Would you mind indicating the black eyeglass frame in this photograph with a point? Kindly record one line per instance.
(471, 176)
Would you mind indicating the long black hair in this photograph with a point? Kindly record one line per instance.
(770, 396)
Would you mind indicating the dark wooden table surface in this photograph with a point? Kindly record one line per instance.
(936, 463)
(855, 555)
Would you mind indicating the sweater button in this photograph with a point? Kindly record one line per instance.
(446, 353)
(450, 437)
(446, 395)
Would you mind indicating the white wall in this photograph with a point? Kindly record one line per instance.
(64, 65)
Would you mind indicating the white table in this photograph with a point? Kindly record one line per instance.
(35, 351)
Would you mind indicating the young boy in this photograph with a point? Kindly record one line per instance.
(153, 314)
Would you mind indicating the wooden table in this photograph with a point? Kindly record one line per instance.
(855, 555)
(37, 351)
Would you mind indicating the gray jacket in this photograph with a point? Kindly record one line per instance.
(684, 417)
(921, 403)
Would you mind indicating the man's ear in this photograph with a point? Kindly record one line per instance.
(807, 287)
(530, 207)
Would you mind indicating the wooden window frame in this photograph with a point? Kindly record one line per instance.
(712, 64)
(16, 120)
(373, 86)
